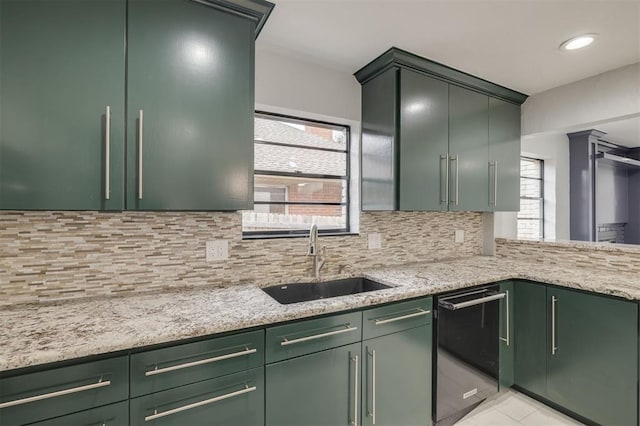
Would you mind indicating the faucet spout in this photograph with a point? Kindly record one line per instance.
(319, 259)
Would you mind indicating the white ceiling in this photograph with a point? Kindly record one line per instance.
(510, 42)
(622, 132)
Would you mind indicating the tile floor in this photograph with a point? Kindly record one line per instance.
(511, 408)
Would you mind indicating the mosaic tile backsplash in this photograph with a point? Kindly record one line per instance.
(47, 256)
(572, 255)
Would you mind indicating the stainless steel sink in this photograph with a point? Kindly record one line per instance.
(303, 292)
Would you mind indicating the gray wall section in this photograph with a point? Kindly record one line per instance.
(612, 189)
(582, 187)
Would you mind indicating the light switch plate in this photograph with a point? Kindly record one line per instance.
(374, 241)
(217, 250)
(458, 236)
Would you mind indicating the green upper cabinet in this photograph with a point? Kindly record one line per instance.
(190, 101)
(504, 156)
(423, 142)
(428, 136)
(168, 85)
(62, 66)
(468, 150)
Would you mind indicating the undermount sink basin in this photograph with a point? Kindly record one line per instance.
(303, 292)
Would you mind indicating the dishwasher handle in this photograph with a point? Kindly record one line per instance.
(454, 306)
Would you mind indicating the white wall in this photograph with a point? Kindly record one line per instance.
(294, 84)
(583, 104)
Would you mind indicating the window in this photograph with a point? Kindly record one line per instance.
(301, 177)
(531, 215)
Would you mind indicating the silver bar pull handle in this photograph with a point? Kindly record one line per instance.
(140, 143)
(554, 347)
(506, 300)
(286, 342)
(402, 317)
(201, 362)
(157, 415)
(373, 383)
(355, 360)
(107, 152)
(491, 185)
(495, 183)
(468, 303)
(457, 186)
(63, 392)
(444, 194)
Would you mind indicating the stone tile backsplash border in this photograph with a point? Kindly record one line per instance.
(605, 257)
(48, 256)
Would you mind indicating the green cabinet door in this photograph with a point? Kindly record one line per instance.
(190, 102)
(379, 142)
(62, 64)
(232, 400)
(424, 137)
(506, 348)
(530, 336)
(592, 356)
(468, 150)
(320, 389)
(504, 155)
(397, 378)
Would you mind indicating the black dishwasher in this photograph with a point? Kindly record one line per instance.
(467, 333)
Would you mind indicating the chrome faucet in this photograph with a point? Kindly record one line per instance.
(318, 259)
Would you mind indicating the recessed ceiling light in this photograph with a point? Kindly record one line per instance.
(578, 42)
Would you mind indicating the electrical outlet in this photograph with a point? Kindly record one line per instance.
(458, 236)
(217, 250)
(374, 241)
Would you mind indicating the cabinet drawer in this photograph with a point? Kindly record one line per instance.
(305, 337)
(397, 317)
(110, 415)
(37, 396)
(179, 365)
(233, 400)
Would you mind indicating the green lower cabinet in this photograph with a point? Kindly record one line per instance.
(41, 395)
(506, 349)
(578, 350)
(109, 415)
(530, 337)
(320, 389)
(396, 378)
(592, 357)
(232, 400)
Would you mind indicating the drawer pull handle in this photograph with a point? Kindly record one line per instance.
(202, 361)
(100, 384)
(157, 415)
(286, 342)
(402, 317)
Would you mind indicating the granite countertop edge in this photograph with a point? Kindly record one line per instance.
(42, 334)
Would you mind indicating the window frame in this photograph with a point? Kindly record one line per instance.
(346, 178)
(541, 198)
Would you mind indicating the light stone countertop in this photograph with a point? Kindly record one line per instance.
(42, 333)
